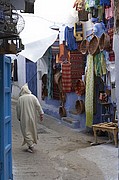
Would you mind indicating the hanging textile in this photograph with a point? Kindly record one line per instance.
(110, 29)
(66, 77)
(14, 70)
(64, 54)
(100, 13)
(109, 11)
(89, 91)
(50, 75)
(78, 31)
(77, 67)
(99, 64)
(55, 46)
(91, 3)
(70, 40)
(99, 28)
(105, 3)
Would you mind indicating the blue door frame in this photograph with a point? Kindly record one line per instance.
(5, 119)
(31, 76)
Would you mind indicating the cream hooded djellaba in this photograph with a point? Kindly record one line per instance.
(28, 112)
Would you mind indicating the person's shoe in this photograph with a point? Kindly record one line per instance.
(30, 150)
(32, 146)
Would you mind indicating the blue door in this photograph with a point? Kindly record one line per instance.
(5, 119)
(31, 76)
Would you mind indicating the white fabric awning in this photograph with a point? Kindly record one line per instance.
(36, 36)
(35, 50)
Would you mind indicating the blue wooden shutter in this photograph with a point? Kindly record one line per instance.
(5, 119)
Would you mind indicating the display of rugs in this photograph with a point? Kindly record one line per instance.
(66, 77)
(77, 67)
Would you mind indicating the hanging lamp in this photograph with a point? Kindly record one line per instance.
(54, 27)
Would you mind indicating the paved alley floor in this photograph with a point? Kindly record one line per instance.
(62, 153)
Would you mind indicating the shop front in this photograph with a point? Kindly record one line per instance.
(81, 68)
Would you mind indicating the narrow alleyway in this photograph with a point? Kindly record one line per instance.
(62, 154)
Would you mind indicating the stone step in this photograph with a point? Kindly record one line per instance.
(71, 122)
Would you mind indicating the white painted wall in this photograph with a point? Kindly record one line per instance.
(21, 69)
(116, 50)
(42, 68)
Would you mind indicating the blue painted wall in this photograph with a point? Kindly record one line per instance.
(31, 76)
(52, 109)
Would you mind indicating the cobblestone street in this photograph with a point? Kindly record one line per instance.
(62, 153)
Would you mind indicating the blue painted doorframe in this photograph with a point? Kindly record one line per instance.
(5, 119)
(31, 76)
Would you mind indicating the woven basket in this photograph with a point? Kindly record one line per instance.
(104, 42)
(60, 83)
(84, 46)
(57, 76)
(62, 111)
(80, 106)
(44, 79)
(94, 46)
(62, 97)
(44, 93)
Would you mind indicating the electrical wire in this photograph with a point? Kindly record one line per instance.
(45, 19)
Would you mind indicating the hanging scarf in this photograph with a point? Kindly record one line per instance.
(89, 91)
(99, 64)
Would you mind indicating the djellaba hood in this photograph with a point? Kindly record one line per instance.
(24, 90)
